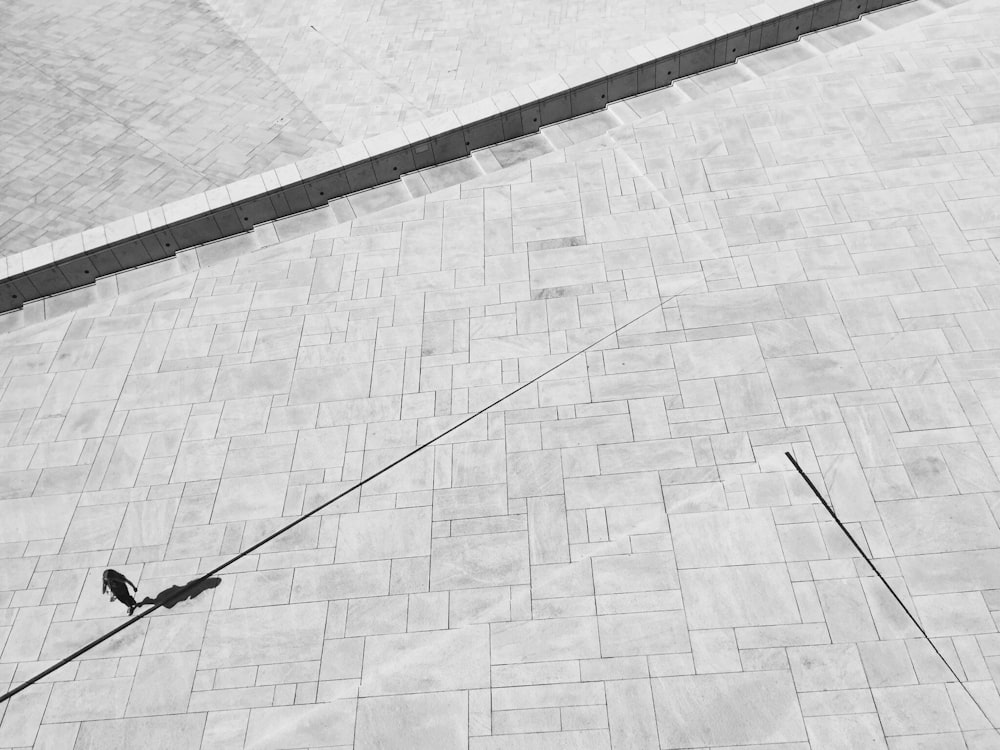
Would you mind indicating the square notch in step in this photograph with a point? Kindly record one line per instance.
(622, 85)
(128, 254)
(667, 70)
(296, 199)
(16, 291)
(327, 187)
(555, 108)
(10, 297)
(754, 38)
(26, 290)
(696, 60)
(228, 220)
(512, 124)
(361, 175)
(423, 154)
(449, 146)
(730, 48)
(531, 118)
(104, 260)
(826, 14)
(794, 25)
(47, 280)
(483, 133)
(279, 199)
(80, 270)
(160, 243)
(196, 231)
(393, 165)
(256, 210)
(851, 10)
(768, 34)
(588, 97)
(645, 77)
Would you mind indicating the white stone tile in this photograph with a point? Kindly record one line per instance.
(162, 684)
(737, 537)
(548, 536)
(650, 571)
(714, 358)
(544, 640)
(244, 498)
(22, 522)
(820, 310)
(631, 715)
(641, 633)
(301, 726)
(616, 490)
(264, 635)
(760, 708)
(429, 721)
(426, 662)
(837, 732)
(181, 731)
(579, 740)
(749, 595)
(342, 581)
(479, 560)
(167, 389)
(724, 308)
(915, 709)
(944, 524)
(381, 535)
(88, 700)
(815, 374)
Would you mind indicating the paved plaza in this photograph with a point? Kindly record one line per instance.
(795, 253)
(112, 107)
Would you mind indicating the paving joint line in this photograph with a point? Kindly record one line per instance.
(122, 122)
(871, 564)
(201, 579)
(77, 261)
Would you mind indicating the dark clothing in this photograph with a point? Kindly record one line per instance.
(122, 594)
(118, 585)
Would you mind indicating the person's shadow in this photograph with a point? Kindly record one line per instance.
(167, 599)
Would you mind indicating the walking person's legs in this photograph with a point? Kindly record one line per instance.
(122, 594)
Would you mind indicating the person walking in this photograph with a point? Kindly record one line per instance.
(118, 585)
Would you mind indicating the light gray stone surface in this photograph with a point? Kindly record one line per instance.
(429, 721)
(264, 86)
(619, 556)
(727, 710)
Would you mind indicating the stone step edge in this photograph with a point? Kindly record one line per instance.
(80, 259)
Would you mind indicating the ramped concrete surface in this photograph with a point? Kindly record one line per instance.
(76, 261)
(619, 556)
(112, 107)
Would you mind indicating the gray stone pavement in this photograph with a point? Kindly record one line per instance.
(118, 106)
(619, 556)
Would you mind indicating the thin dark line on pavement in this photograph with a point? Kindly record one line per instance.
(867, 558)
(198, 581)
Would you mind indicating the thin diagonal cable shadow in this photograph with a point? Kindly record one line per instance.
(170, 599)
(892, 591)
